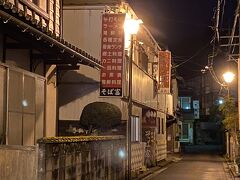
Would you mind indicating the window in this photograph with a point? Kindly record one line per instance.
(159, 125)
(41, 3)
(135, 129)
(185, 131)
(26, 108)
(163, 126)
(39, 6)
(185, 102)
(143, 59)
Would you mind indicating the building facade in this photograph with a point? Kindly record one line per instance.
(31, 46)
(83, 24)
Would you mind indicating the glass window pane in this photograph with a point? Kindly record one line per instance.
(135, 129)
(28, 101)
(185, 131)
(15, 91)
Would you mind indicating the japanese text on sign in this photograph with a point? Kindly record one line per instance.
(164, 71)
(112, 54)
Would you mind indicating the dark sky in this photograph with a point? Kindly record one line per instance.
(184, 27)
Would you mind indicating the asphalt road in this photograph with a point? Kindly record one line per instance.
(195, 167)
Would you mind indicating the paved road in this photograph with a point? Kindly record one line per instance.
(195, 167)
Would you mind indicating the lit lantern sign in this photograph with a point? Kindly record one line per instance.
(112, 54)
(164, 71)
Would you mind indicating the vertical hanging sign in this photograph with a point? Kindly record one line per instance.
(112, 54)
(164, 71)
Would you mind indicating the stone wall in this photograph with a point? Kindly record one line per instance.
(82, 157)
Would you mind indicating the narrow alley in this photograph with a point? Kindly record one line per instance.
(195, 167)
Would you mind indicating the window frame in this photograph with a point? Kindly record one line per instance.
(189, 102)
(163, 127)
(34, 7)
(135, 129)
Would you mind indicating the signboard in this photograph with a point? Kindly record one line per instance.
(112, 54)
(149, 118)
(196, 114)
(149, 137)
(195, 104)
(164, 71)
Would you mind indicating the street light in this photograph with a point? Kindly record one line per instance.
(228, 78)
(131, 27)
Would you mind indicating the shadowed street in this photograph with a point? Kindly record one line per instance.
(195, 167)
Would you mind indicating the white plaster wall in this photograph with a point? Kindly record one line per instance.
(83, 28)
(169, 104)
(50, 103)
(79, 88)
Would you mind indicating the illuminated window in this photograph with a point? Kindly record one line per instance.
(135, 129)
(185, 102)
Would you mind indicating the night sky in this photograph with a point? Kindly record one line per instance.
(185, 28)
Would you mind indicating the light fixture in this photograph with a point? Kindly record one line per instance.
(131, 26)
(24, 103)
(228, 77)
(121, 153)
(220, 101)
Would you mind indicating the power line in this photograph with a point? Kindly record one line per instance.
(199, 51)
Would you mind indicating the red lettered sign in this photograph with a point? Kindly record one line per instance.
(112, 54)
(164, 71)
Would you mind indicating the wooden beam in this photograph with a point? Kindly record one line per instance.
(4, 47)
(66, 62)
(67, 68)
(17, 46)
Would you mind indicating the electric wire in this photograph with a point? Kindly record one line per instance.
(197, 53)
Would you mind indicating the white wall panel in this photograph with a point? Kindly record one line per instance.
(40, 97)
(143, 88)
(74, 97)
(169, 104)
(84, 30)
(162, 102)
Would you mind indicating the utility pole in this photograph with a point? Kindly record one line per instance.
(130, 108)
(238, 63)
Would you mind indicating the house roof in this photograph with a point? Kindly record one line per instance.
(9, 13)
